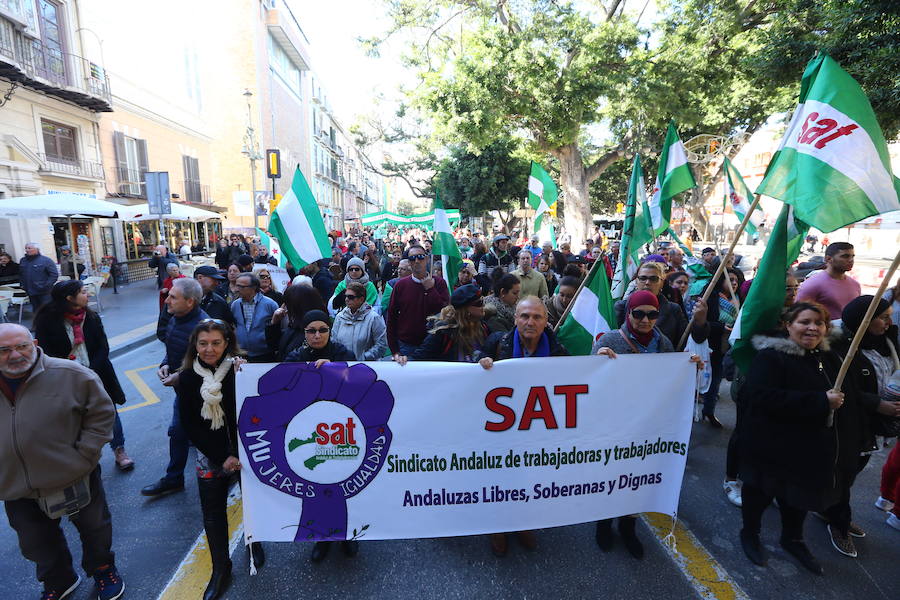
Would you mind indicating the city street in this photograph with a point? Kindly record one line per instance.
(154, 538)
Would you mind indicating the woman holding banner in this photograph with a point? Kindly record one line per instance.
(284, 333)
(208, 413)
(788, 450)
(639, 335)
(458, 332)
(267, 287)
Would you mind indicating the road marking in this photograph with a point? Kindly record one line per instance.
(142, 387)
(703, 572)
(124, 338)
(192, 575)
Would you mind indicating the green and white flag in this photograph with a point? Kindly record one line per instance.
(739, 195)
(542, 193)
(673, 177)
(444, 244)
(693, 265)
(273, 246)
(591, 316)
(298, 225)
(762, 308)
(832, 164)
(636, 231)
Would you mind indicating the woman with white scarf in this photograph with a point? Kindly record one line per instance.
(207, 408)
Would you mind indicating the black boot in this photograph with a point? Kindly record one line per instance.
(213, 501)
(604, 535)
(350, 548)
(320, 551)
(753, 548)
(629, 536)
(799, 550)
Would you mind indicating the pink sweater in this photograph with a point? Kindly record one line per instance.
(833, 294)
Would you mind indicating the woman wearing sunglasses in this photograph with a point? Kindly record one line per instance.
(268, 288)
(458, 332)
(639, 335)
(356, 272)
(358, 327)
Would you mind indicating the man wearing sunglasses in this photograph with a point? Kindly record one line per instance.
(413, 300)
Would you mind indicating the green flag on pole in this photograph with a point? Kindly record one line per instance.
(444, 244)
(542, 193)
(636, 231)
(762, 308)
(273, 246)
(298, 225)
(740, 197)
(591, 315)
(673, 177)
(832, 164)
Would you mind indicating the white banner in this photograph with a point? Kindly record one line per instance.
(379, 451)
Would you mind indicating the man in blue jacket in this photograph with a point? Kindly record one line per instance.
(38, 275)
(252, 313)
(183, 303)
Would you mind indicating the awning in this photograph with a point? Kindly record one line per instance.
(54, 205)
(180, 212)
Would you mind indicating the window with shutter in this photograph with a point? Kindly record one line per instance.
(59, 141)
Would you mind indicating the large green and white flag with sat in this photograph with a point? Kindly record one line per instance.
(444, 244)
(673, 177)
(740, 197)
(591, 315)
(833, 164)
(762, 308)
(298, 225)
(636, 231)
(542, 193)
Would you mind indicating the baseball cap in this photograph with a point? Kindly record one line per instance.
(209, 271)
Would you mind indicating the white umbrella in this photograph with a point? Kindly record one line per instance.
(180, 212)
(51, 205)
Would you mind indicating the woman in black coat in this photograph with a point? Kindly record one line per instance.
(459, 332)
(208, 413)
(284, 333)
(788, 450)
(66, 328)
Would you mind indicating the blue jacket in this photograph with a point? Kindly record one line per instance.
(253, 342)
(38, 274)
(178, 334)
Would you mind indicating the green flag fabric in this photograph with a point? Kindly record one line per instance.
(832, 164)
(765, 300)
(636, 231)
(542, 193)
(298, 225)
(591, 316)
(272, 245)
(740, 197)
(444, 244)
(693, 266)
(673, 177)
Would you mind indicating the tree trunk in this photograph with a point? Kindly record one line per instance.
(574, 182)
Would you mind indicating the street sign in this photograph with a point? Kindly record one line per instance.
(158, 197)
(273, 164)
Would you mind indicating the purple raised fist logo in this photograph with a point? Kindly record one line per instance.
(320, 435)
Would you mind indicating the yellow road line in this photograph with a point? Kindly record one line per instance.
(192, 575)
(142, 387)
(703, 572)
(135, 333)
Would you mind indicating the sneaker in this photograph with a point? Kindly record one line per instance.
(733, 491)
(893, 521)
(56, 594)
(109, 585)
(855, 530)
(884, 504)
(841, 542)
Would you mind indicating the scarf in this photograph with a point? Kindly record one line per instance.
(504, 310)
(76, 318)
(211, 391)
(727, 310)
(543, 347)
(852, 317)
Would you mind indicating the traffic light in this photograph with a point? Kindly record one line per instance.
(273, 164)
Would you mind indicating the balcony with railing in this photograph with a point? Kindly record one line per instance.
(195, 193)
(67, 167)
(34, 64)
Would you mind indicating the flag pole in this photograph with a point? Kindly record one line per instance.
(721, 267)
(575, 297)
(861, 331)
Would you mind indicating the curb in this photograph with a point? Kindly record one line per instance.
(131, 345)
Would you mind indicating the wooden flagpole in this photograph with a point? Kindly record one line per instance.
(721, 267)
(861, 330)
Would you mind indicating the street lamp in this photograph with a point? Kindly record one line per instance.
(251, 151)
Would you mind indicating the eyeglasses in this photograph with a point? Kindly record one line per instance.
(354, 269)
(640, 314)
(265, 276)
(242, 286)
(648, 278)
(415, 257)
(24, 348)
(314, 331)
(351, 296)
(478, 303)
(211, 320)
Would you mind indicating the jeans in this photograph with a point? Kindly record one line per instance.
(37, 301)
(41, 538)
(754, 503)
(711, 396)
(179, 445)
(118, 438)
(406, 349)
